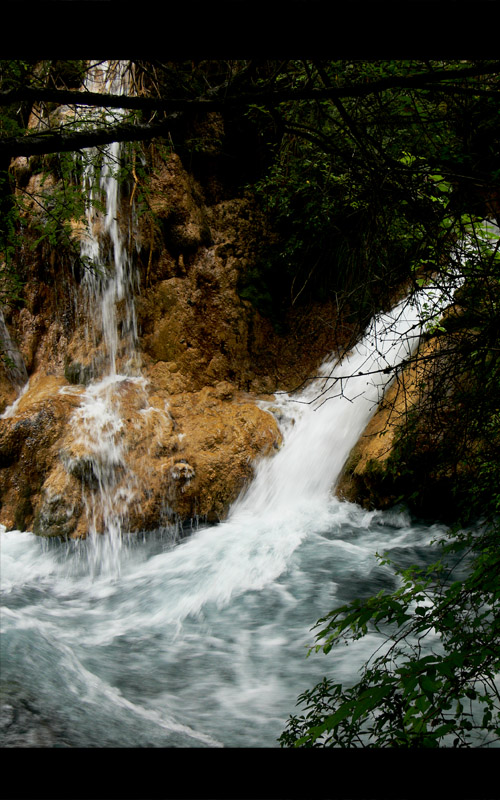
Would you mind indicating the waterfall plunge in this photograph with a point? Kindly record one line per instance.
(332, 411)
(330, 415)
(292, 491)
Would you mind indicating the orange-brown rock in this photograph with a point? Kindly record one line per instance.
(191, 434)
(176, 201)
(29, 447)
(219, 440)
(191, 312)
(171, 457)
(375, 444)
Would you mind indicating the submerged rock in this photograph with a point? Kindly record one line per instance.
(24, 724)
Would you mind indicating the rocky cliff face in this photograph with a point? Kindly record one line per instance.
(190, 425)
(419, 447)
(367, 477)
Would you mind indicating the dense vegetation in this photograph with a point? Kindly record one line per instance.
(376, 177)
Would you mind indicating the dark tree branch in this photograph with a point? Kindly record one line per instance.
(59, 141)
(427, 80)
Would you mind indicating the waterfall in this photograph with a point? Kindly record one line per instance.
(200, 643)
(108, 289)
(328, 415)
(331, 412)
(268, 522)
(109, 281)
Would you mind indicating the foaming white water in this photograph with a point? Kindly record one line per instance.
(196, 644)
(292, 490)
(332, 411)
(108, 482)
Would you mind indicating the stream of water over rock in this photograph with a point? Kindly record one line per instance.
(145, 641)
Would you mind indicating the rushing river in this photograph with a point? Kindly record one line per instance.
(200, 643)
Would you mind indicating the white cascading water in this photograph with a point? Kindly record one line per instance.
(111, 279)
(200, 643)
(331, 413)
(269, 521)
(107, 296)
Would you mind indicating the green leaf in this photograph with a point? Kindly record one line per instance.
(370, 700)
(334, 719)
(430, 686)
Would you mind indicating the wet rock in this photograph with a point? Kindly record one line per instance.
(224, 390)
(78, 373)
(55, 517)
(182, 471)
(29, 447)
(177, 202)
(363, 479)
(14, 365)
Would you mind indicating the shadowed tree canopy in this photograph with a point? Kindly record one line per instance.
(222, 86)
(358, 164)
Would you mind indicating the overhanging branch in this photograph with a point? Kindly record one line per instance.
(59, 141)
(425, 80)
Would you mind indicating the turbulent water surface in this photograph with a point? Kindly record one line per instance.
(201, 641)
(197, 643)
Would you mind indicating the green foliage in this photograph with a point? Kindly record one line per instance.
(363, 192)
(38, 220)
(41, 199)
(258, 286)
(447, 451)
(411, 190)
(10, 282)
(14, 118)
(433, 680)
(355, 186)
